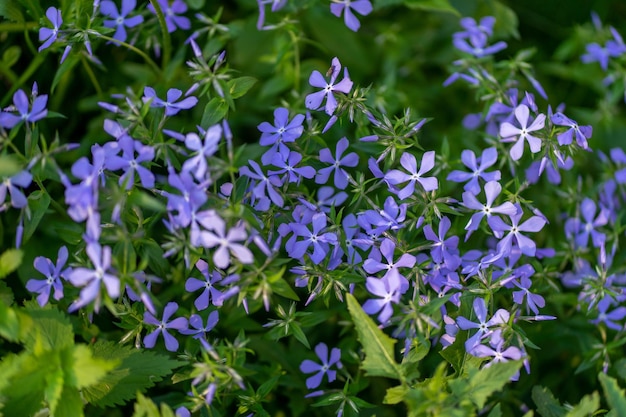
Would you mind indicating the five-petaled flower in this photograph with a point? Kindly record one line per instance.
(362, 7)
(120, 19)
(314, 100)
(171, 106)
(308, 366)
(163, 325)
(171, 12)
(53, 274)
(25, 112)
(408, 161)
(511, 133)
(47, 35)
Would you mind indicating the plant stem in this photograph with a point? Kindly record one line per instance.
(167, 42)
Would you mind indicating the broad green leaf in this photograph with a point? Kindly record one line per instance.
(52, 325)
(240, 86)
(395, 395)
(54, 385)
(38, 202)
(9, 166)
(10, 10)
(432, 5)
(480, 384)
(378, 347)
(495, 411)
(137, 371)
(11, 55)
(613, 394)
(586, 407)
(70, 404)
(214, 112)
(144, 407)
(10, 260)
(458, 357)
(547, 405)
(85, 369)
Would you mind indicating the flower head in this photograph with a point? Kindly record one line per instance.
(47, 35)
(362, 7)
(314, 100)
(120, 19)
(308, 366)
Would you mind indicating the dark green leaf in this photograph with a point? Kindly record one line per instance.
(240, 86)
(480, 384)
(214, 112)
(432, 5)
(10, 10)
(614, 394)
(38, 203)
(547, 405)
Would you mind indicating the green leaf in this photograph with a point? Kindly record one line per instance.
(10, 9)
(137, 371)
(378, 347)
(432, 5)
(144, 407)
(38, 203)
(9, 323)
(495, 411)
(613, 394)
(395, 395)
(54, 386)
(9, 166)
(586, 407)
(480, 384)
(547, 405)
(85, 369)
(214, 112)
(620, 368)
(51, 325)
(282, 288)
(10, 260)
(70, 404)
(240, 86)
(11, 55)
(65, 68)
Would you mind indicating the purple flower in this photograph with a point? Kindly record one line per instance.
(587, 227)
(389, 218)
(582, 133)
(120, 19)
(173, 94)
(527, 246)
(409, 163)
(91, 279)
(537, 168)
(287, 164)
(362, 7)
(226, 242)
(276, 5)
(511, 133)
(474, 39)
(282, 132)
(609, 318)
(18, 200)
(483, 325)
(389, 289)
(46, 35)
(443, 250)
(197, 164)
(492, 191)
(171, 12)
(163, 325)
(374, 263)
(317, 238)
(496, 351)
(314, 100)
(210, 293)
(265, 185)
(487, 159)
(308, 366)
(199, 330)
(341, 176)
(25, 113)
(533, 301)
(53, 274)
(131, 163)
(597, 53)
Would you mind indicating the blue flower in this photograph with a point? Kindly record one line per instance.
(53, 274)
(47, 35)
(163, 325)
(362, 7)
(313, 101)
(308, 366)
(120, 20)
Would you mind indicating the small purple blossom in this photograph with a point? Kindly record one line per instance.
(483, 326)
(53, 274)
(474, 39)
(362, 7)
(341, 176)
(13, 184)
(92, 279)
(287, 164)
(414, 175)
(308, 366)
(163, 325)
(511, 133)
(497, 351)
(171, 106)
(276, 6)
(264, 184)
(527, 245)
(313, 101)
(131, 163)
(120, 19)
(171, 12)
(226, 242)
(197, 164)
(316, 237)
(533, 301)
(583, 228)
(375, 264)
(283, 131)
(24, 110)
(198, 329)
(487, 159)
(389, 289)
(581, 133)
(492, 191)
(47, 35)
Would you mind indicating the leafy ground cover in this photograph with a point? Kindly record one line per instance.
(312, 208)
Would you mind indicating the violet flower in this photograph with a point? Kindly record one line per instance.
(25, 112)
(226, 243)
(487, 159)
(120, 20)
(131, 163)
(13, 184)
(341, 176)
(512, 133)
(91, 279)
(526, 245)
(171, 12)
(171, 106)
(389, 289)
(163, 325)
(483, 326)
(362, 7)
(47, 35)
(308, 366)
(53, 274)
(283, 131)
(408, 161)
(314, 100)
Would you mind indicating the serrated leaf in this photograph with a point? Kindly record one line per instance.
(432, 5)
(378, 347)
(480, 384)
(54, 387)
(145, 407)
(547, 405)
(50, 327)
(240, 86)
(86, 369)
(38, 203)
(586, 407)
(214, 112)
(10, 260)
(395, 395)
(137, 371)
(613, 394)
(10, 10)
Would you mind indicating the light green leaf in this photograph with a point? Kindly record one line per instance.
(85, 369)
(547, 405)
(214, 112)
(395, 395)
(613, 394)
(137, 371)
(495, 411)
(9, 166)
(586, 407)
(480, 384)
(54, 385)
(378, 347)
(144, 407)
(11, 55)
(240, 86)
(10, 260)
(432, 5)
(70, 404)
(51, 328)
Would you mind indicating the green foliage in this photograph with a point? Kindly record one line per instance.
(144, 407)
(136, 371)
(10, 260)
(478, 385)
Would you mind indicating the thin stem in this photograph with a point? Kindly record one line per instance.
(167, 42)
(92, 76)
(18, 27)
(136, 50)
(296, 53)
